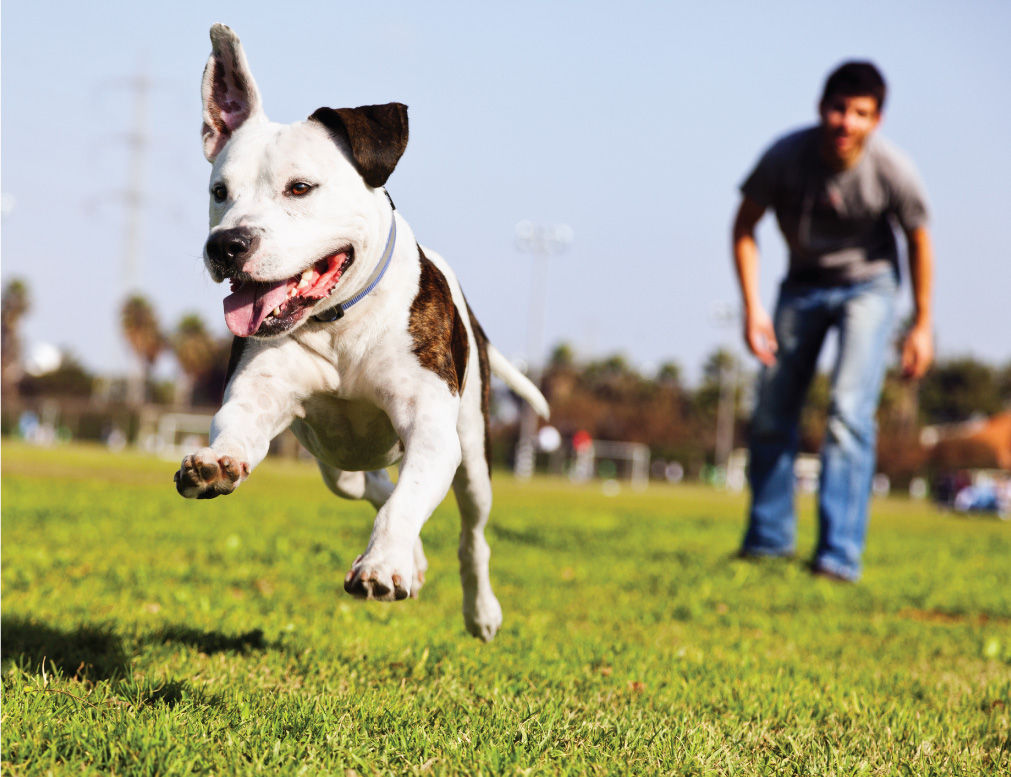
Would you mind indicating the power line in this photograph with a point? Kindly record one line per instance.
(137, 142)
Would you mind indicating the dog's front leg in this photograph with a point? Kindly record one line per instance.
(386, 569)
(256, 409)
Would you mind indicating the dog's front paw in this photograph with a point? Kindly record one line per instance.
(386, 578)
(205, 475)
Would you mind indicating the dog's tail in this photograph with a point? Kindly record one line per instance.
(517, 381)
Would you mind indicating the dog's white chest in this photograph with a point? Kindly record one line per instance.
(347, 434)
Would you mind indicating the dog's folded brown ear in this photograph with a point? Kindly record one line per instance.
(376, 136)
(228, 90)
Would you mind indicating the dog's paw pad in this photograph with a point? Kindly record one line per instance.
(372, 581)
(204, 475)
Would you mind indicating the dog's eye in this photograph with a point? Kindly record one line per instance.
(299, 189)
(219, 192)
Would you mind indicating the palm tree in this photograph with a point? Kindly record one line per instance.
(140, 326)
(14, 304)
(669, 375)
(196, 352)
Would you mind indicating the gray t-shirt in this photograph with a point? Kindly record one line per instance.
(838, 225)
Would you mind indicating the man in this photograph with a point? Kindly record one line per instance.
(839, 192)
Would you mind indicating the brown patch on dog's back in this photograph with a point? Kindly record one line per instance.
(481, 343)
(439, 334)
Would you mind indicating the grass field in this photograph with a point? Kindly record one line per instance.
(148, 635)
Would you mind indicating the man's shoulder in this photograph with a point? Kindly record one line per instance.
(896, 174)
(888, 159)
(778, 168)
(793, 144)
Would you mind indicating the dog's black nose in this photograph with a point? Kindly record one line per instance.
(228, 249)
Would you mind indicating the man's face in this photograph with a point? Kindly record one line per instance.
(846, 124)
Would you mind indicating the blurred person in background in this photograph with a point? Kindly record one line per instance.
(840, 193)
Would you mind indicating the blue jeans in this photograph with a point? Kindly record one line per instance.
(863, 314)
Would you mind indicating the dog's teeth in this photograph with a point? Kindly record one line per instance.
(303, 283)
(276, 311)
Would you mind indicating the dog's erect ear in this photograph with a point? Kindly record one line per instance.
(229, 92)
(375, 134)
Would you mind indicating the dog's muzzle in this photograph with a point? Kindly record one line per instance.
(228, 249)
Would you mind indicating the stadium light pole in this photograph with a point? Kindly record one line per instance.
(541, 241)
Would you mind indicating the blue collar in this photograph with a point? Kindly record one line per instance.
(337, 311)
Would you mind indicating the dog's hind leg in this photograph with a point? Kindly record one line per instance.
(374, 487)
(472, 487)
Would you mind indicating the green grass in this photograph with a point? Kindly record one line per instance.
(148, 635)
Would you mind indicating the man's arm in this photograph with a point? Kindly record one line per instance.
(918, 348)
(758, 329)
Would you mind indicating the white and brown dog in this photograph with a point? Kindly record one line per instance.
(346, 331)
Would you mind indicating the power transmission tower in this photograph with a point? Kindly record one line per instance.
(134, 200)
(137, 143)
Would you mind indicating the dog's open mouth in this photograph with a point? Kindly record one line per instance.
(268, 308)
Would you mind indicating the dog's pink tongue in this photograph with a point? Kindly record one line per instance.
(250, 304)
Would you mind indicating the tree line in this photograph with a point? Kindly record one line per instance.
(200, 356)
(609, 398)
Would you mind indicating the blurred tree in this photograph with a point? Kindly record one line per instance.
(612, 378)
(1003, 379)
(669, 375)
(611, 367)
(720, 365)
(899, 408)
(900, 455)
(814, 413)
(140, 326)
(956, 389)
(70, 379)
(195, 351)
(715, 366)
(210, 386)
(716, 405)
(14, 305)
(562, 356)
(611, 400)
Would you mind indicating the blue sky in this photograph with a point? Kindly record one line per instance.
(633, 123)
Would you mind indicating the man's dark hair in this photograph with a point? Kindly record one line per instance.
(855, 79)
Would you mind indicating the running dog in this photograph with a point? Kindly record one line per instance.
(346, 330)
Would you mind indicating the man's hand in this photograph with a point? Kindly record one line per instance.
(918, 348)
(759, 333)
(760, 336)
(917, 352)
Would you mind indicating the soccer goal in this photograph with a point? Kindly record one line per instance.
(611, 460)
